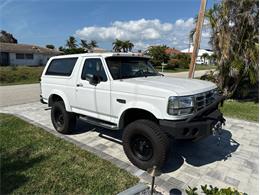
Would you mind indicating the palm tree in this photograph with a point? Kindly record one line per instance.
(234, 40)
(84, 44)
(71, 43)
(125, 46)
(117, 45)
(93, 44)
(129, 45)
(88, 46)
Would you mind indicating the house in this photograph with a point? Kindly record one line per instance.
(99, 50)
(172, 51)
(199, 60)
(23, 54)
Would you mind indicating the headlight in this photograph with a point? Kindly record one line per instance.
(180, 105)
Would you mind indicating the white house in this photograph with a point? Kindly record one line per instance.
(23, 54)
(199, 59)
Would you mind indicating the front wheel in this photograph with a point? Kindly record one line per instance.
(63, 121)
(145, 144)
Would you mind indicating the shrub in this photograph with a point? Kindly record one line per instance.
(180, 60)
(213, 191)
(172, 63)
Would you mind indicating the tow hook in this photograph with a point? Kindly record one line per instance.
(217, 130)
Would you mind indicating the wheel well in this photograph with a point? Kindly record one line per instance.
(54, 98)
(134, 114)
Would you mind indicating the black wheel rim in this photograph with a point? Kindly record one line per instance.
(59, 118)
(142, 147)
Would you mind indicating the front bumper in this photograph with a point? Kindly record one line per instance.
(198, 125)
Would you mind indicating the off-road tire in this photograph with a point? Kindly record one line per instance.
(158, 140)
(69, 119)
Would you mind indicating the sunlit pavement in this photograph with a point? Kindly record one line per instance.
(232, 162)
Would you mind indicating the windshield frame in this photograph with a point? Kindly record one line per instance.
(148, 63)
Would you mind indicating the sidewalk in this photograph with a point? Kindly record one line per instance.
(232, 163)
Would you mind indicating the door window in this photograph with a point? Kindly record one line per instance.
(93, 66)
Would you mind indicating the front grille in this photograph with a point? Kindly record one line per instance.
(203, 99)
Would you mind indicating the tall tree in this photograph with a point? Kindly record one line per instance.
(234, 39)
(88, 46)
(50, 46)
(129, 45)
(117, 45)
(120, 45)
(6, 37)
(84, 44)
(158, 54)
(71, 43)
(93, 44)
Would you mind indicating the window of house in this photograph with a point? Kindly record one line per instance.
(61, 67)
(29, 56)
(19, 56)
(93, 66)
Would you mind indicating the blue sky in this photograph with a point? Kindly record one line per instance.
(144, 22)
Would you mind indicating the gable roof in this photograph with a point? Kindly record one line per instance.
(25, 48)
(172, 51)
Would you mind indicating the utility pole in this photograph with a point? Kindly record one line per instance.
(198, 29)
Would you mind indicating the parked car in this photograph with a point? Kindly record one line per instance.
(122, 91)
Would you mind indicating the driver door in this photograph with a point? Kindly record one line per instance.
(93, 98)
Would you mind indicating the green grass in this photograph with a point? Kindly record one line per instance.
(36, 162)
(241, 110)
(198, 67)
(20, 75)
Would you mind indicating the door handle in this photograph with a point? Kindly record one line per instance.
(79, 85)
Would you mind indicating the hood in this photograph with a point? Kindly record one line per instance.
(174, 86)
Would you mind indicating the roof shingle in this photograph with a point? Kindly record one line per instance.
(24, 48)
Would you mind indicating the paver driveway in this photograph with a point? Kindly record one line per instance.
(233, 162)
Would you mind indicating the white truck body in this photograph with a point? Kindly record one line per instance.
(123, 91)
(148, 93)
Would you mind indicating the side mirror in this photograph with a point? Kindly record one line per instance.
(92, 79)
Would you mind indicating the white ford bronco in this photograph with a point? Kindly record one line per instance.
(122, 91)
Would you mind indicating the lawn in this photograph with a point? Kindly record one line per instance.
(20, 75)
(198, 67)
(36, 162)
(241, 110)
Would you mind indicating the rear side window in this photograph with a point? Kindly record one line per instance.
(61, 67)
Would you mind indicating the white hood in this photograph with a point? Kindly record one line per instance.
(174, 86)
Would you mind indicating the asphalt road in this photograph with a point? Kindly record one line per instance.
(21, 94)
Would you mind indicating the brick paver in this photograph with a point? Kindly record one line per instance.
(232, 162)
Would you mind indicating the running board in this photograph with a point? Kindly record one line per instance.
(100, 123)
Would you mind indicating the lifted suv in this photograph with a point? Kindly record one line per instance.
(122, 91)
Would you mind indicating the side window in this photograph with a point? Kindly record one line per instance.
(61, 67)
(93, 66)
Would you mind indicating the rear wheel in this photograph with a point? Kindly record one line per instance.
(63, 121)
(145, 144)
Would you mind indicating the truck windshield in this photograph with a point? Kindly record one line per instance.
(130, 67)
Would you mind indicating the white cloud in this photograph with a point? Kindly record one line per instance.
(142, 32)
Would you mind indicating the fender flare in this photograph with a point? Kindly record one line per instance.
(63, 97)
(142, 106)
